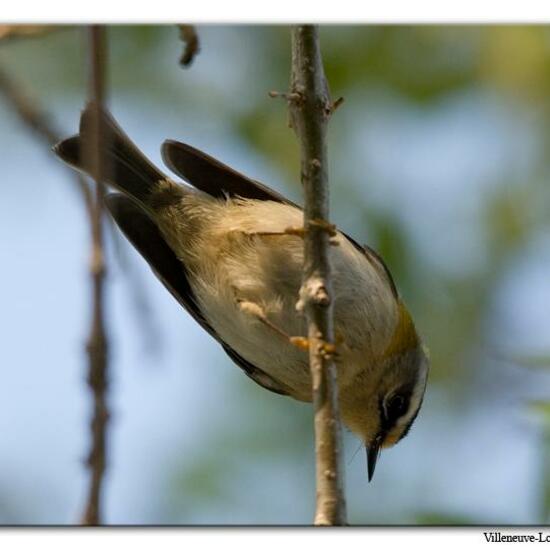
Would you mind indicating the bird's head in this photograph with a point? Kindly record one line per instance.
(381, 403)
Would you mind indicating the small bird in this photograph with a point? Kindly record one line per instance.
(230, 251)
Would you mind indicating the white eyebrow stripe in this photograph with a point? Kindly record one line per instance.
(415, 401)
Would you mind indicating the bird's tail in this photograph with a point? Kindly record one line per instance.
(125, 167)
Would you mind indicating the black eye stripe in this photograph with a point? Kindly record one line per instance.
(394, 413)
(396, 406)
(393, 408)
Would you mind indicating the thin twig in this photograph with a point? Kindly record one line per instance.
(189, 36)
(97, 345)
(37, 121)
(310, 109)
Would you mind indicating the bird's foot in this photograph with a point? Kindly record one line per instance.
(293, 231)
(256, 310)
(327, 349)
(330, 228)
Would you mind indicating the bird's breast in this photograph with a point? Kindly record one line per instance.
(233, 260)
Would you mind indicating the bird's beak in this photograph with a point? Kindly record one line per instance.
(373, 452)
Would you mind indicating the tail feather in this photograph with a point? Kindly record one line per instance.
(126, 168)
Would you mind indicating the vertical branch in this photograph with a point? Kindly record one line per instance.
(310, 109)
(97, 340)
(36, 120)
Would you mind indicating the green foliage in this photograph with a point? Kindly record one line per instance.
(437, 518)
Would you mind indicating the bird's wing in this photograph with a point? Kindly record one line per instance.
(375, 259)
(218, 180)
(144, 234)
(213, 177)
(377, 262)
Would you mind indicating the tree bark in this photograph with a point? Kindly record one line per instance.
(97, 345)
(310, 109)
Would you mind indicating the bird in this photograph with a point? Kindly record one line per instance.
(230, 251)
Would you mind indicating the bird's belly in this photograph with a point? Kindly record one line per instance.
(266, 347)
(234, 263)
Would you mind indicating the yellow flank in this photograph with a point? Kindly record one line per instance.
(404, 336)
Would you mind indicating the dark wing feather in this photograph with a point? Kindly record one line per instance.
(255, 373)
(144, 234)
(126, 168)
(213, 177)
(375, 259)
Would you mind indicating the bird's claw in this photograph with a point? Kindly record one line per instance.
(327, 349)
(293, 231)
(330, 228)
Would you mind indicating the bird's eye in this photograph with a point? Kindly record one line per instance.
(395, 407)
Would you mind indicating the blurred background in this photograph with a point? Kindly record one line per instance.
(438, 159)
